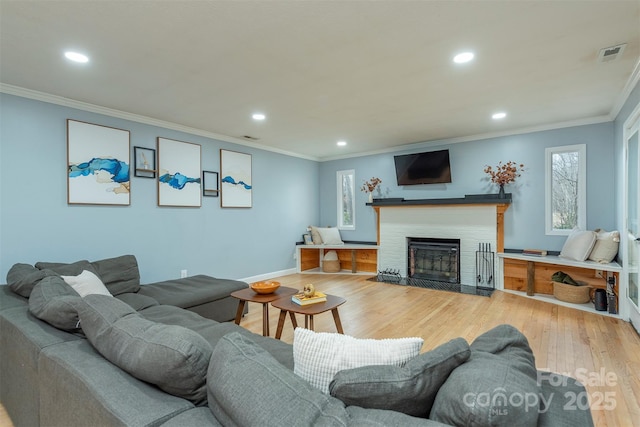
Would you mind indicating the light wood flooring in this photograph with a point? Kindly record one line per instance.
(601, 349)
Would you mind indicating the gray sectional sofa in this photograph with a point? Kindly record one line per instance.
(147, 356)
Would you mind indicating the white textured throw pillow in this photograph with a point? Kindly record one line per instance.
(86, 283)
(606, 246)
(318, 356)
(578, 245)
(330, 236)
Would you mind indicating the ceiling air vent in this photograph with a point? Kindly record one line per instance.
(612, 53)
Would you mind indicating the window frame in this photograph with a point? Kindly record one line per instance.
(341, 203)
(581, 149)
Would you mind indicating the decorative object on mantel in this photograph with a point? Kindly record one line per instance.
(370, 186)
(504, 173)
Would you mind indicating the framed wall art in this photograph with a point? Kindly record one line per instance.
(144, 160)
(235, 179)
(210, 184)
(178, 173)
(98, 163)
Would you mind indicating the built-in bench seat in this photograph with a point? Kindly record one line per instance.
(353, 257)
(532, 274)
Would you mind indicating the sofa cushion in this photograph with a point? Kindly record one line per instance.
(410, 389)
(86, 283)
(318, 356)
(578, 245)
(191, 291)
(275, 396)
(136, 301)
(172, 357)
(61, 268)
(21, 278)
(606, 246)
(55, 302)
(119, 274)
(497, 386)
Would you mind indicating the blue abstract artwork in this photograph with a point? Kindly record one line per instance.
(98, 164)
(236, 183)
(179, 182)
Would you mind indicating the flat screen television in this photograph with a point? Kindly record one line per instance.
(423, 168)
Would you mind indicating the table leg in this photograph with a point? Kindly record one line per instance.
(294, 322)
(265, 319)
(241, 304)
(336, 319)
(311, 322)
(283, 315)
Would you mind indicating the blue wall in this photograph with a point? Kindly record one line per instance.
(524, 220)
(36, 224)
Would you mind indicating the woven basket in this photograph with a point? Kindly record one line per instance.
(570, 293)
(331, 266)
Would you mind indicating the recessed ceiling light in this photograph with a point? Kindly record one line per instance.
(341, 143)
(76, 57)
(463, 57)
(259, 116)
(498, 116)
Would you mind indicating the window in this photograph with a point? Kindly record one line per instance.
(565, 188)
(346, 200)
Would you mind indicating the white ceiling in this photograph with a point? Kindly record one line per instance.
(378, 74)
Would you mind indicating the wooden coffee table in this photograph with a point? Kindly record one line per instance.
(287, 306)
(248, 295)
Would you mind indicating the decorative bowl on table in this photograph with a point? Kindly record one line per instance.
(265, 287)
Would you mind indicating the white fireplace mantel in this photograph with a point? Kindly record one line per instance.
(480, 221)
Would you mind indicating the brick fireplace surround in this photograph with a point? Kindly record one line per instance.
(472, 219)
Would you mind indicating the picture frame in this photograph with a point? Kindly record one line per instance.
(210, 184)
(307, 239)
(236, 186)
(144, 160)
(179, 180)
(98, 164)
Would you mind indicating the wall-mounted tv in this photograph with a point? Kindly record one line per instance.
(423, 168)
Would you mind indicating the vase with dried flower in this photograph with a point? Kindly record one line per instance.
(370, 186)
(504, 173)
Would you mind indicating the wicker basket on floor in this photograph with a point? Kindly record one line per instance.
(570, 293)
(331, 266)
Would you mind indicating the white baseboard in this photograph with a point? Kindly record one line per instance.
(267, 276)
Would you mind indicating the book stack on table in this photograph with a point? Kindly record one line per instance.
(300, 299)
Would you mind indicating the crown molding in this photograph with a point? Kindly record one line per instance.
(479, 137)
(85, 106)
(626, 92)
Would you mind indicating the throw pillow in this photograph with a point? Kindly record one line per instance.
(410, 389)
(330, 236)
(605, 248)
(578, 245)
(497, 386)
(55, 302)
(172, 357)
(318, 356)
(86, 283)
(315, 235)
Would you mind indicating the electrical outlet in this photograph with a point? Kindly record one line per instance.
(183, 274)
